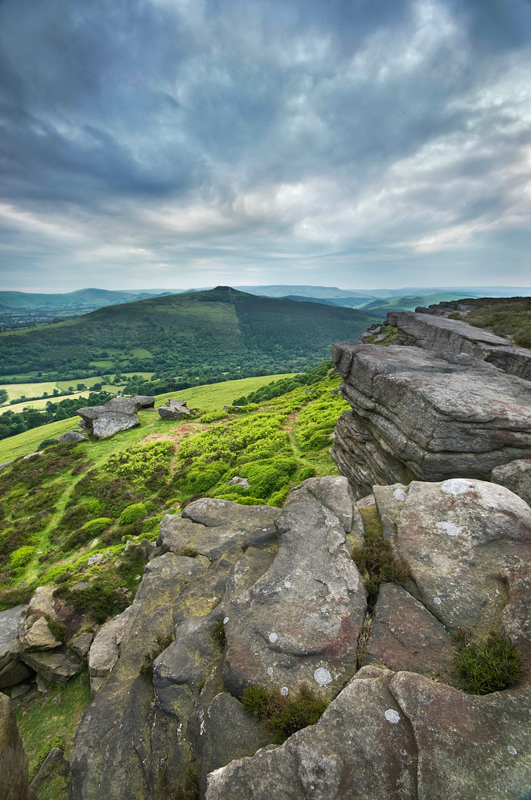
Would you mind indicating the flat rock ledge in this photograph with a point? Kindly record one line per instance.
(417, 416)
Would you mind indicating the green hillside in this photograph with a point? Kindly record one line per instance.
(54, 505)
(203, 333)
(509, 316)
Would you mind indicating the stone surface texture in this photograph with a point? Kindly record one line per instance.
(12, 670)
(72, 436)
(515, 476)
(291, 608)
(119, 414)
(14, 783)
(415, 415)
(455, 340)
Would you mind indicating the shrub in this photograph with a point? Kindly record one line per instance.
(21, 557)
(213, 416)
(488, 665)
(46, 443)
(376, 560)
(96, 526)
(132, 513)
(305, 473)
(283, 715)
(56, 741)
(57, 629)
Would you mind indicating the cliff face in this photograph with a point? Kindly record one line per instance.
(432, 411)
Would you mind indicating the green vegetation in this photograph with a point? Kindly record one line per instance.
(162, 642)
(76, 501)
(282, 714)
(485, 666)
(376, 560)
(387, 336)
(504, 316)
(12, 423)
(61, 710)
(199, 336)
(189, 788)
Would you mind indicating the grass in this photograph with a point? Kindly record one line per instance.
(28, 442)
(61, 710)
(216, 395)
(29, 390)
(487, 665)
(283, 715)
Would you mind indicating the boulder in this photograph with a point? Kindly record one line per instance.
(36, 635)
(174, 409)
(468, 545)
(394, 735)
(213, 527)
(119, 414)
(516, 476)
(12, 670)
(52, 666)
(458, 341)
(104, 651)
(144, 401)
(55, 764)
(72, 436)
(14, 784)
(405, 636)
(237, 481)
(415, 415)
(297, 623)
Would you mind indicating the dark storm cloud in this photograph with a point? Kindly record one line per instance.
(154, 139)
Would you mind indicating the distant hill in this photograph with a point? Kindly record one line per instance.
(215, 331)
(80, 299)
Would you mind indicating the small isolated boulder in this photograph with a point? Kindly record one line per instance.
(237, 481)
(72, 436)
(174, 409)
(119, 414)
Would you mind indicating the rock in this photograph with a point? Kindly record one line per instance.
(104, 651)
(12, 670)
(298, 621)
(125, 745)
(144, 401)
(14, 783)
(415, 415)
(119, 414)
(72, 436)
(356, 750)
(80, 644)
(458, 341)
(187, 662)
(221, 741)
(110, 423)
(43, 602)
(36, 635)
(19, 690)
(174, 409)
(97, 558)
(515, 476)
(80, 586)
(54, 764)
(237, 481)
(468, 544)
(212, 527)
(397, 735)
(405, 636)
(52, 667)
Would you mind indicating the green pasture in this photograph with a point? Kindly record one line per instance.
(216, 395)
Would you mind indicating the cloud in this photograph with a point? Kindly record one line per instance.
(149, 140)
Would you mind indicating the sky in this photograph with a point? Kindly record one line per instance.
(190, 143)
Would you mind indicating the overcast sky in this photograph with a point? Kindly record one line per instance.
(189, 143)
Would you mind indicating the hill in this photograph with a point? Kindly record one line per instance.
(203, 333)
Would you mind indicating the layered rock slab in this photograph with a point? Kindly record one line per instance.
(415, 415)
(14, 783)
(299, 623)
(456, 340)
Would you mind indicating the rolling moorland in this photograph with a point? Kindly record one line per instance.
(75, 502)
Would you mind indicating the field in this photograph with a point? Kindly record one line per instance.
(209, 398)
